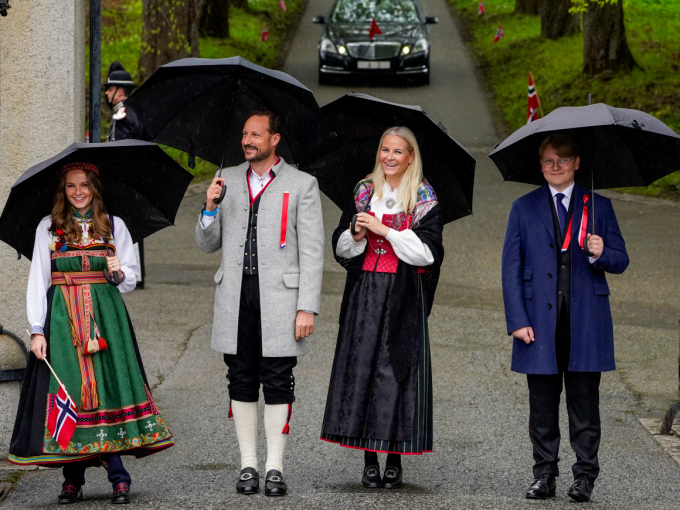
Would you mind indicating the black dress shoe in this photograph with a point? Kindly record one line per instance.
(121, 494)
(543, 487)
(392, 477)
(249, 482)
(274, 485)
(371, 478)
(70, 494)
(581, 489)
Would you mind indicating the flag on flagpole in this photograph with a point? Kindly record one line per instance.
(61, 422)
(480, 11)
(499, 34)
(282, 4)
(375, 30)
(533, 104)
(265, 33)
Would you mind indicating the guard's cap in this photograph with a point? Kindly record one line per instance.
(118, 77)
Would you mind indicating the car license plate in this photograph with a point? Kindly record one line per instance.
(373, 64)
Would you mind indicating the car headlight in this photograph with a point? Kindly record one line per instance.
(420, 46)
(406, 50)
(327, 46)
(342, 50)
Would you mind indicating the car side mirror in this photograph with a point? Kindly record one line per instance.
(319, 20)
(431, 20)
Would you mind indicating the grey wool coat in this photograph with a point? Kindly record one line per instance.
(290, 277)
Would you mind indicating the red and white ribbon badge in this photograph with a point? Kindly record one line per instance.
(284, 219)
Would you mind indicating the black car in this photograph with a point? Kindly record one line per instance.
(402, 49)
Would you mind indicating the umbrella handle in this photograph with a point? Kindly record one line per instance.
(112, 278)
(353, 227)
(221, 197)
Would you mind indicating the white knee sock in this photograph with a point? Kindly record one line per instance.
(275, 424)
(245, 420)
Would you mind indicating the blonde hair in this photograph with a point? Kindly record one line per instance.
(412, 178)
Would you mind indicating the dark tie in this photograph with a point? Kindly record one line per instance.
(561, 213)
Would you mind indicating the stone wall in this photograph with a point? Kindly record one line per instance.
(42, 110)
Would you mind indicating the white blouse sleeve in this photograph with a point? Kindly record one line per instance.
(409, 248)
(39, 278)
(347, 247)
(126, 254)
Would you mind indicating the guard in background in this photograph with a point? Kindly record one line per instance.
(124, 125)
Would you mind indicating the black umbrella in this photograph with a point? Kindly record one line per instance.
(141, 184)
(358, 121)
(619, 147)
(200, 105)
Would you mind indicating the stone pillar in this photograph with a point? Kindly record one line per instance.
(42, 110)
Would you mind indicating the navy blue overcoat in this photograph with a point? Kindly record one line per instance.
(530, 284)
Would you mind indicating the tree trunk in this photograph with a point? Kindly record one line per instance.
(604, 40)
(556, 21)
(528, 6)
(215, 19)
(170, 32)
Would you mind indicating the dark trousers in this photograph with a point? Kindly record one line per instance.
(248, 368)
(583, 408)
(74, 472)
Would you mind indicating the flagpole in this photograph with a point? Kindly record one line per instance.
(54, 373)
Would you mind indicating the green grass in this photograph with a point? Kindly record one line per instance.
(651, 28)
(122, 36)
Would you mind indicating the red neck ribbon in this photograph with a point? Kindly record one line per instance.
(582, 228)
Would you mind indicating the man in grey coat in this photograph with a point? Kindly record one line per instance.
(270, 229)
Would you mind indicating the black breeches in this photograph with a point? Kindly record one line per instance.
(248, 368)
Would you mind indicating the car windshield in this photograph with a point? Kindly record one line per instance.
(386, 11)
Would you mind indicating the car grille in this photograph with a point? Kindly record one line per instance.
(375, 51)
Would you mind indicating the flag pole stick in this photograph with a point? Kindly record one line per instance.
(538, 98)
(54, 373)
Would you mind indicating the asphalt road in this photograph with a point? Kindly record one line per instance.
(482, 455)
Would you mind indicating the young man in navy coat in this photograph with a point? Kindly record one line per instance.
(557, 310)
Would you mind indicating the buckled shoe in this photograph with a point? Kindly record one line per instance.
(392, 477)
(581, 489)
(274, 484)
(249, 482)
(543, 487)
(70, 494)
(371, 478)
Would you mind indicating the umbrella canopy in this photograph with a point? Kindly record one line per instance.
(141, 184)
(619, 147)
(358, 121)
(200, 105)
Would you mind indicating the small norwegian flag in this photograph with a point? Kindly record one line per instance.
(61, 422)
(265, 33)
(533, 104)
(375, 30)
(480, 11)
(282, 4)
(499, 34)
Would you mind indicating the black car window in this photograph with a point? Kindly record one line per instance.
(387, 11)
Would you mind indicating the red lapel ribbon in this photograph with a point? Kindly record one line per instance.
(284, 219)
(582, 228)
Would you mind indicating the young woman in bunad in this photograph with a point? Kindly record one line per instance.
(380, 393)
(80, 325)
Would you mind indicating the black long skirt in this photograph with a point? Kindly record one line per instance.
(367, 408)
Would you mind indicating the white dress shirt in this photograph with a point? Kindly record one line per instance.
(566, 200)
(40, 275)
(407, 245)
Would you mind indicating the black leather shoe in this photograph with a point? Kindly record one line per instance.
(70, 494)
(371, 478)
(581, 489)
(274, 485)
(121, 494)
(392, 478)
(249, 482)
(543, 487)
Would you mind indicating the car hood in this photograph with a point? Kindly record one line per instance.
(358, 32)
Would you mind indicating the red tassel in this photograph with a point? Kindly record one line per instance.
(286, 429)
(102, 344)
(231, 414)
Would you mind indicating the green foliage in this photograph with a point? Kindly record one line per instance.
(122, 41)
(651, 28)
(581, 6)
